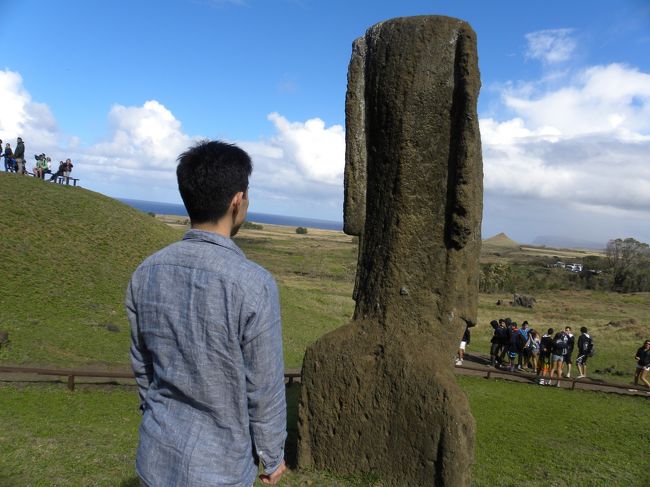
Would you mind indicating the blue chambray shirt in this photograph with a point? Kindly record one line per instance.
(206, 350)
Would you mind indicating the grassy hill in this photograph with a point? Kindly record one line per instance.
(67, 255)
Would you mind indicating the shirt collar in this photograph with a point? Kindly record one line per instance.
(213, 238)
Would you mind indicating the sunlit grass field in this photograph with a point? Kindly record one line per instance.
(68, 256)
(526, 435)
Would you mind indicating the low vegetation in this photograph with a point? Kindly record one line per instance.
(526, 435)
(68, 255)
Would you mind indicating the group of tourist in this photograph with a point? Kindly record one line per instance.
(549, 355)
(15, 162)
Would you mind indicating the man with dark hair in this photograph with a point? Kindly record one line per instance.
(570, 344)
(585, 350)
(206, 340)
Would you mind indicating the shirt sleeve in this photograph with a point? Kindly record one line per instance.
(140, 356)
(264, 366)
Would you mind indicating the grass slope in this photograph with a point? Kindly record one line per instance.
(67, 254)
(526, 435)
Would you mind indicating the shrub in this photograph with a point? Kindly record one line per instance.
(301, 231)
(251, 226)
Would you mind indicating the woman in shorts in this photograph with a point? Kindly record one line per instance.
(533, 348)
(642, 364)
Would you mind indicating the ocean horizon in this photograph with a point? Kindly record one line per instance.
(289, 221)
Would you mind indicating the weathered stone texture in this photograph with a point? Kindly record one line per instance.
(379, 394)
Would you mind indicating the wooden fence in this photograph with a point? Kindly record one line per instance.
(292, 375)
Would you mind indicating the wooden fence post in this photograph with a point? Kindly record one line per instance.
(71, 382)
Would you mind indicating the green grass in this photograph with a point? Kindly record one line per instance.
(615, 346)
(526, 435)
(67, 254)
(534, 436)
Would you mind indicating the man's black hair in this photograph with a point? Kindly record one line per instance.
(209, 175)
(583, 329)
(549, 331)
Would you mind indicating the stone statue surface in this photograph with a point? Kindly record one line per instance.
(379, 394)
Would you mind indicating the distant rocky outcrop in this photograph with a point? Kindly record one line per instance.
(500, 240)
(523, 300)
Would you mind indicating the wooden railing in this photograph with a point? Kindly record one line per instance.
(290, 374)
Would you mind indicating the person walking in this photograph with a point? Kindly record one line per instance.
(585, 350)
(642, 358)
(206, 340)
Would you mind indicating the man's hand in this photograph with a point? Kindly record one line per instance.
(274, 478)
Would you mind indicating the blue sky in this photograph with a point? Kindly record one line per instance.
(123, 86)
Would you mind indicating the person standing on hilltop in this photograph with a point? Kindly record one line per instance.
(19, 155)
(206, 340)
(9, 158)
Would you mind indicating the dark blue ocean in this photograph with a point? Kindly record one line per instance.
(289, 221)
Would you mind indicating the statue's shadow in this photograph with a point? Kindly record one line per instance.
(291, 445)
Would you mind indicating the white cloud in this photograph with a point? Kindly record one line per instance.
(550, 46)
(22, 117)
(598, 99)
(317, 151)
(146, 138)
(302, 163)
(585, 144)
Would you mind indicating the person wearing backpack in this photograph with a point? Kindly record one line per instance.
(524, 350)
(513, 348)
(544, 366)
(558, 350)
(570, 345)
(585, 350)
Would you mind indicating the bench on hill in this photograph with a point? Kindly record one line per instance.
(60, 179)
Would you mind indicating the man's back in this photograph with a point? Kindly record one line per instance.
(207, 353)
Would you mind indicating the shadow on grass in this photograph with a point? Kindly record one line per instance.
(291, 445)
(132, 482)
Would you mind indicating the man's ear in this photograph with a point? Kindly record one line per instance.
(236, 200)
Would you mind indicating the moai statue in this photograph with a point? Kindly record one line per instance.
(379, 394)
